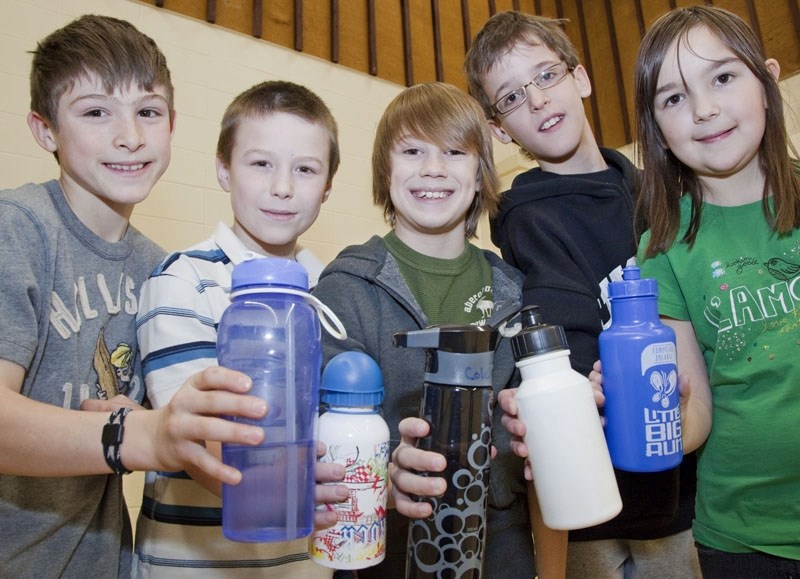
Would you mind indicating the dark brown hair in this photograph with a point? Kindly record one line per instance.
(114, 50)
(665, 178)
(448, 117)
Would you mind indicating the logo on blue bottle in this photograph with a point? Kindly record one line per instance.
(662, 419)
(664, 384)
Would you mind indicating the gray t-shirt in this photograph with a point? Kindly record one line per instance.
(67, 315)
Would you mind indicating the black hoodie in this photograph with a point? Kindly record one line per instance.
(568, 234)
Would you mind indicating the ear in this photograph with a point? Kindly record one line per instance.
(172, 119)
(499, 132)
(582, 80)
(773, 67)
(327, 193)
(775, 70)
(223, 175)
(43, 134)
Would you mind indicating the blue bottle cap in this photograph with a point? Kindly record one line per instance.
(270, 271)
(352, 379)
(632, 286)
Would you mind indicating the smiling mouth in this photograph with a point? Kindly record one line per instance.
(126, 168)
(551, 122)
(431, 194)
(716, 136)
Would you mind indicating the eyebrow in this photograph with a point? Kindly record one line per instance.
(268, 152)
(106, 97)
(712, 66)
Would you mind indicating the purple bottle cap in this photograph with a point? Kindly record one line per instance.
(269, 271)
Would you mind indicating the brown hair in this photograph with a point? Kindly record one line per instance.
(500, 35)
(665, 178)
(448, 117)
(114, 50)
(272, 97)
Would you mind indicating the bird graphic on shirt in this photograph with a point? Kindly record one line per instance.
(782, 269)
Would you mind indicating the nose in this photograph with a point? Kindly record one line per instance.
(537, 98)
(705, 107)
(281, 185)
(434, 165)
(129, 134)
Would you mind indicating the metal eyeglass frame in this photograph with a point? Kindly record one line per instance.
(540, 81)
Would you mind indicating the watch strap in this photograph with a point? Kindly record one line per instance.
(113, 433)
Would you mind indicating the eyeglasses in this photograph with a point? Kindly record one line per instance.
(548, 78)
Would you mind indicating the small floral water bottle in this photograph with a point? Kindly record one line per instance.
(357, 437)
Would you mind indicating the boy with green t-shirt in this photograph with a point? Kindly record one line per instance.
(433, 175)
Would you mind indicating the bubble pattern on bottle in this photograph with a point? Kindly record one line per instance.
(448, 544)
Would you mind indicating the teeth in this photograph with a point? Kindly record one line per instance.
(431, 194)
(126, 167)
(550, 123)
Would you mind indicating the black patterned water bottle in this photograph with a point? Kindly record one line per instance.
(457, 403)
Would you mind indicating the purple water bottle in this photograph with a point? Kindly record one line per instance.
(640, 379)
(271, 333)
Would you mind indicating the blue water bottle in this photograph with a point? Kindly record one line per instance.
(640, 379)
(272, 333)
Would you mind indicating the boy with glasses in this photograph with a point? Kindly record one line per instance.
(569, 226)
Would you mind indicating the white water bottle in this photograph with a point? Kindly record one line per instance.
(356, 437)
(572, 471)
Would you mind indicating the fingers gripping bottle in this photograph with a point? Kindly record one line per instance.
(271, 332)
(457, 403)
(640, 379)
(356, 437)
(572, 471)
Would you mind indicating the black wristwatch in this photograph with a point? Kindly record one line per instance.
(113, 432)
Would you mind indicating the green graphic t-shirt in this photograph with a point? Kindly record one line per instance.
(452, 291)
(740, 288)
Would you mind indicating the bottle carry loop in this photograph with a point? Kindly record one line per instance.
(332, 324)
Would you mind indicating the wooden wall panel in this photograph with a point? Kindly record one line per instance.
(431, 47)
(421, 22)
(316, 29)
(277, 21)
(629, 27)
(192, 8)
(354, 41)
(775, 21)
(450, 22)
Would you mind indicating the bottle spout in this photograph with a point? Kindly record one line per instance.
(631, 273)
(427, 338)
(531, 316)
(537, 337)
(454, 338)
